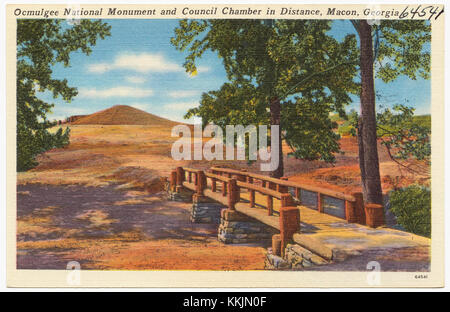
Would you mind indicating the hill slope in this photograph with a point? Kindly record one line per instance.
(123, 115)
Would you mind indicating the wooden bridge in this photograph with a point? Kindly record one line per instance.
(277, 205)
(274, 202)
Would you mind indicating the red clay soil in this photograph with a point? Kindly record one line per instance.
(345, 175)
(123, 115)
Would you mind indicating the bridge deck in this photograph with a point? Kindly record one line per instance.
(326, 235)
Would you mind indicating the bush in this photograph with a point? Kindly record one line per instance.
(412, 208)
(30, 144)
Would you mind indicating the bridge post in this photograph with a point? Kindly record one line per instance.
(224, 188)
(213, 184)
(286, 200)
(176, 191)
(173, 180)
(319, 203)
(269, 205)
(252, 193)
(282, 188)
(201, 183)
(374, 215)
(289, 220)
(242, 177)
(233, 193)
(180, 177)
(361, 213)
(354, 209)
(238, 190)
(297, 195)
(272, 186)
(204, 209)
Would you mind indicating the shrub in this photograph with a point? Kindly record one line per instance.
(30, 144)
(412, 208)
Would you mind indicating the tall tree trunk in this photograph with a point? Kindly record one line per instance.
(370, 169)
(361, 155)
(275, 119)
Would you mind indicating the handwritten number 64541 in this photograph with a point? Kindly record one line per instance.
(420, 11)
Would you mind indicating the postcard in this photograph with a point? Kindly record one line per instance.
(195, 145)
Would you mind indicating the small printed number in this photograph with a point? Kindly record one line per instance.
(420, 276)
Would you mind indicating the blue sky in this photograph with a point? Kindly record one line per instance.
(138, 66)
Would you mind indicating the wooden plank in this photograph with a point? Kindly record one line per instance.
(313, 245)
(217, 197)
(259, 189)
(191, 170)
(228, 170)
(259, 214)
(311, 188)
(190, 186)
(216, 176)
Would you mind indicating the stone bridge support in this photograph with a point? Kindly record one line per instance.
(205, 210)
(237, 228)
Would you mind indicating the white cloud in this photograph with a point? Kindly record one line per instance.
(180, 105)
(203, 69)
(200, 70)
(135, 79)
(99, 68)
(142, 63)
(115, 92)
(183, 93)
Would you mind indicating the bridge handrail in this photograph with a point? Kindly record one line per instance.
(231, 185)
(259, 189)
(217, 177)
(315, 189)
(191, 170)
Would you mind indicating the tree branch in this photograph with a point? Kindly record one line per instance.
(355, 25)
(388, 149)
(311, 76)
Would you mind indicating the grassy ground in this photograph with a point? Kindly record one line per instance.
(100, 201)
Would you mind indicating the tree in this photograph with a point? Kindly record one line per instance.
(407, 141)
(283, 66)
(398, 50)
(40, 45)
(405, 136)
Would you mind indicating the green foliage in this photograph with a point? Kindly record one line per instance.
(297, 59)
(412, 208)
(348, 124)
(292, 60)
(405, 135)
(402, 135)
(232, 104)
(40, 45)
(309, 130)
(399, 49)
(423, 121)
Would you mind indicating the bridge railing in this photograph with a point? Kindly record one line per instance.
(289, 219)
(196, 180)
(354, 205)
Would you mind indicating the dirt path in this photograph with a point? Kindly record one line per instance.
(69, 208)
(106, 228)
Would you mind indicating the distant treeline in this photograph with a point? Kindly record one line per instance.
(70, 119)
(346, 127)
